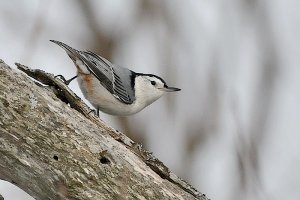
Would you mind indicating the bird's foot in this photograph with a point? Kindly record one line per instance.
(67, 82)
(95, 111)
(61, 77)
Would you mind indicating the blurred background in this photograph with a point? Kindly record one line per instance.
(232, 132)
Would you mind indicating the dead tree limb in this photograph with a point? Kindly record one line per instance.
(53, 147)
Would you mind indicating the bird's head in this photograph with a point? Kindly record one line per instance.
(150, 87)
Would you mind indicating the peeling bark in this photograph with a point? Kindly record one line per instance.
(53, 147)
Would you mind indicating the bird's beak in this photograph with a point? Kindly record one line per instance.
(170, 89)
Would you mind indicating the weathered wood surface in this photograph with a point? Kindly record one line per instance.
(56, 149)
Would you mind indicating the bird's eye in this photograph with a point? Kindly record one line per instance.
(153, 82)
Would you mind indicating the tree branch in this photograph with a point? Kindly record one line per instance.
(53, 151)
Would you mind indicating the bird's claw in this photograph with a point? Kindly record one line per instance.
(61, 77)
(96, 112)
(67, 82)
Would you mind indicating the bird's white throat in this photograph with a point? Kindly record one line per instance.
(146, 93)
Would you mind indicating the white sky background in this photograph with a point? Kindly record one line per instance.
(233, 130)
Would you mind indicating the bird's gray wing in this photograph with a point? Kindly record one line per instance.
(117, 80)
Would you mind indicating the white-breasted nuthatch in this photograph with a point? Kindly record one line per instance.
(113, 89)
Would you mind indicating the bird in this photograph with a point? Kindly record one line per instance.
(113, 89)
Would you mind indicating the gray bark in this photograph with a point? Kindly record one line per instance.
(52, 147)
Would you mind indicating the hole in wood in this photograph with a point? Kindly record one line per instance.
(104, 160)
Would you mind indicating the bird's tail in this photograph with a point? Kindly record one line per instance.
(72, 53)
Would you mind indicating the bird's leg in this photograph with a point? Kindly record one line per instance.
(71, 79)
(92, 110)
(95, 111)
(98, 114)
(67, 82)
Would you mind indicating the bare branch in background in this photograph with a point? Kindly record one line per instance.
(250, 142)
(38, 26)
(103, 44)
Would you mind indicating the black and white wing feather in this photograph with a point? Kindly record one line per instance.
(118, 81)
